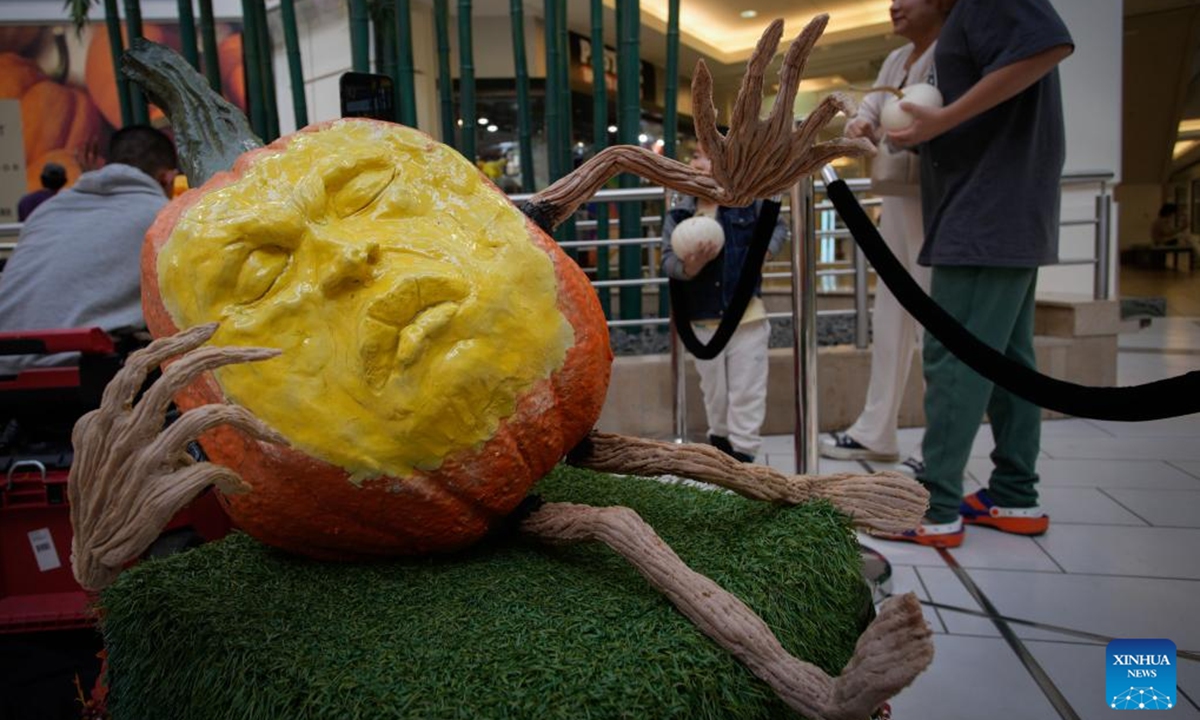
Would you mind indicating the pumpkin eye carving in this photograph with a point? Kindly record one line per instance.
(260, 271)
(352, 191)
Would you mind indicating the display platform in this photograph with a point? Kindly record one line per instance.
(508, 629)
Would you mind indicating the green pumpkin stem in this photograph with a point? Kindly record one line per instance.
(210, 132)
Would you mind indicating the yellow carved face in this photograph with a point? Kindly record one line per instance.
(411, 307)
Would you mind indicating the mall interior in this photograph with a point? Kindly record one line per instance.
(1021, 626)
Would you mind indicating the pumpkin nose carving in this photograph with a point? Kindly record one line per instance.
(349, 265)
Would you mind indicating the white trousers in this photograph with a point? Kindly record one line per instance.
(735, 385)
(895, 332)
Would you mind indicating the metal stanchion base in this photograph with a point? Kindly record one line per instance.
(877, 572)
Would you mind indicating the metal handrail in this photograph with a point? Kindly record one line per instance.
(1100, 220)
(803, 272)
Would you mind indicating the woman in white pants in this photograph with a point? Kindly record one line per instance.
(896, 179)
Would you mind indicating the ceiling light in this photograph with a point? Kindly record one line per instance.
(612, 128)
(483, 121)
(493, 128)
(643, 138)
(748, 14)
(1183, 147)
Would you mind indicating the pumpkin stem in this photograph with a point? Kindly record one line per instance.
(892, 651)
(885, 501)
(210, 132)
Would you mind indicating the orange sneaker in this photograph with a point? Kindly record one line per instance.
(979, 509)
(944, 535)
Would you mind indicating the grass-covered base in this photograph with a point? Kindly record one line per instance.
(508, 630)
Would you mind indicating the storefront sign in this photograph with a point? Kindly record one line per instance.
(581, 69)
(12, 160)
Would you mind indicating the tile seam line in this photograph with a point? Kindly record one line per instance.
(1039, 675)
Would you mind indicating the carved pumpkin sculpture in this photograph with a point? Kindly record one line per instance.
(440, 353)
(433, 354)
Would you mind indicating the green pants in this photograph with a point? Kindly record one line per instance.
(996, 305)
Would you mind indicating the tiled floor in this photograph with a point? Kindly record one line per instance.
(1121, 560)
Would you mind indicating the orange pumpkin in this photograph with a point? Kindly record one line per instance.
(57, 116)
(17, 74)
(233, 76)
(22, 39)
(99, 75)
(56, 120)
(276, 246)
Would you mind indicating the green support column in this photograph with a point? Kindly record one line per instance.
(466, 79)
(671, 111)
(112, 21)
(382, 27)
(133, 25)
(629, 118)
(670, 118)
(291, 41)
(250, 68)
(208, 37)
(599, 142)
(360, 36)
(524, 126)
(266, 69)
(553, 127)
(441, 16)
(406, 92)
(187, 33)
(567, 231)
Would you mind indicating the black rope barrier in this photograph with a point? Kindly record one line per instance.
(1167, 398)
(748, 280)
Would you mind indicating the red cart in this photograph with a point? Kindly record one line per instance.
(38, 408)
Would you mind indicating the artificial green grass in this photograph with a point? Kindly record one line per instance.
(509, 629)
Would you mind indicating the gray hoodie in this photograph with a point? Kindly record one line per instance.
(77, 260)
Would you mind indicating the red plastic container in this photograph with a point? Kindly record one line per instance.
(37, 589)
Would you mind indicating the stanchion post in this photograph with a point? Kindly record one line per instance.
(678, 358)
(804, 322)
(679, 382)
(862, 318)
(1103, 218)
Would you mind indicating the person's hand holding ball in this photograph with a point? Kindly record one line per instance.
(914, 118)
(697, 240)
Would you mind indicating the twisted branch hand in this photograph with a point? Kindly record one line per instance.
(128, 479)
(757, 158)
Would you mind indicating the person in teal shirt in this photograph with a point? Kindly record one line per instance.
(991, 163)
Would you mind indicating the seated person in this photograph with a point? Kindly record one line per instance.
(1169, 227)
(54, 177)
(77, 260)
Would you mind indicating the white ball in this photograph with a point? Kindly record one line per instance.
(893, 118)
(688, 233)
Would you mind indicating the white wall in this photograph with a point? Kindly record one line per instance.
(44, 11)
(1091, 81)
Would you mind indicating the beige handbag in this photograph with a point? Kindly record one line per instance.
(895, 172)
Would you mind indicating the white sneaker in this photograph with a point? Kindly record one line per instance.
(845, 447)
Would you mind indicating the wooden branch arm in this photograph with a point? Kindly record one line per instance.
(885, 501)
(559, 201)
(893, 650)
